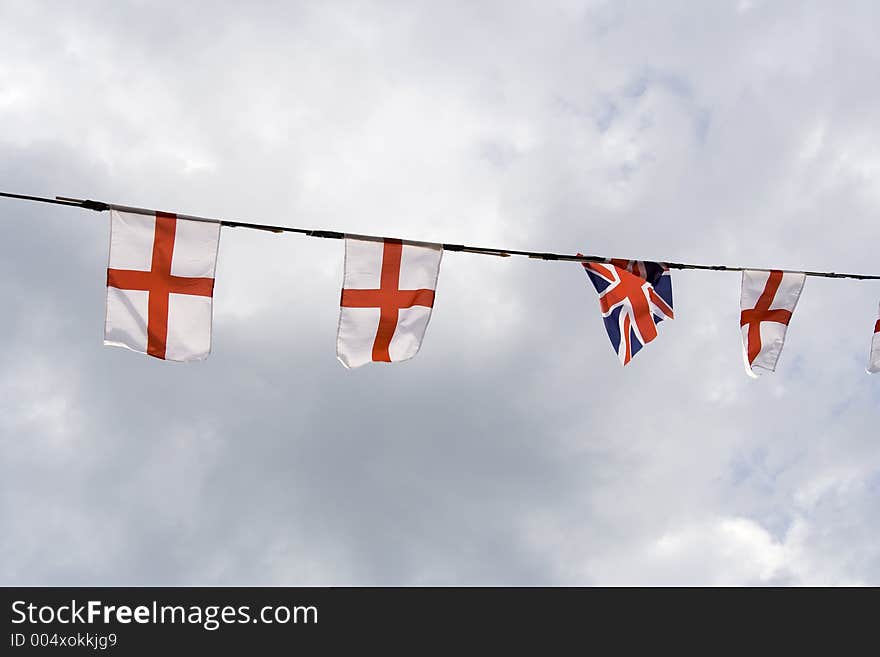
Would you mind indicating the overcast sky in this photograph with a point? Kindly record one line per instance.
(514, 449)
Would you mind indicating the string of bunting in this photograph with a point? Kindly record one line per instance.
(160, 281)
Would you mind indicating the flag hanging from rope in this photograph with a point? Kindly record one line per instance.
(160, 285)
(387, 297)
(634, 297)
(767, 302)
(874, 358)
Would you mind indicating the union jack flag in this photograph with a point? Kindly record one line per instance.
(634, 297)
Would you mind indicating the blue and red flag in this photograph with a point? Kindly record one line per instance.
(634, 297)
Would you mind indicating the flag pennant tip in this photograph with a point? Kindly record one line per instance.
(767, 303)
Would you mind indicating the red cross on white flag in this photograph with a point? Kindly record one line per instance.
(387, 298)
(160, 284)
(768, 301)
(874, 358)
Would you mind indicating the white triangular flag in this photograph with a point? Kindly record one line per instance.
(387, 297)
(160, 285)
(768, 301)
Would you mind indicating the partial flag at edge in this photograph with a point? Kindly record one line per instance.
(634, 297)
(874, 356)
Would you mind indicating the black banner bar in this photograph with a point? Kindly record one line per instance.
(151, 621)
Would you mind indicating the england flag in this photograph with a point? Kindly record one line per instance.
(874, 357)
(160, 285)
(387, 297)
